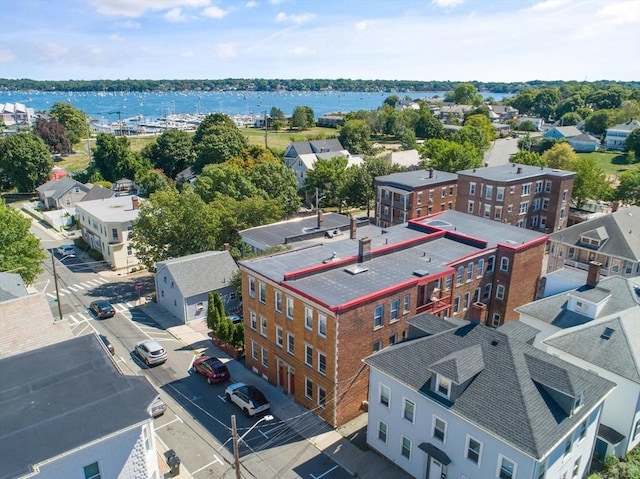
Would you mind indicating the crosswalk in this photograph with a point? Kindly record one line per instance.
(77, 317)
(78, 287)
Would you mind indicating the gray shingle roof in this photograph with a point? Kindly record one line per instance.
(524, 415)
(57, 188)
(11, 286)
(520, 331)
(200, 273)
(98, 193)
(553, 309)
(618, 351)
(53, 410)
(621, 228)
(313, 146)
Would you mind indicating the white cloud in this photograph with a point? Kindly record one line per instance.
(175, 15)
(129, 24)
(214, 12)
(365, 24)
(251, 4)
(297, 19)
(303, 51)
(6, 55)
(187, 54)
(447, 3)
(136, 8)
(116, 37)
(225, 50)
(620, 13)
(548, 5)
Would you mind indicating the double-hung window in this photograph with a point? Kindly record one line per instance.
(252, 287)
(278, 301)
(385, 395)
(322, 363)
(439, 429)
(308, 355)
(279, 337)
(290, 343)
(289, 308)
(92, 471)
(308, 318)
(506, 468)
(322, 325)
(474, 450)
(262, 291)
(377, 316)
(394, 313)
(409, 410)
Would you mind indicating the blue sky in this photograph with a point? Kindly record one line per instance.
(458, 40)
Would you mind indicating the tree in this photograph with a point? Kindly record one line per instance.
(524, 101)
(172, 152)
(527, 158)
(213, 315)
(219, 305)
(590, 181)
(570, 118)
(73, 120)
(172, 224)
(598, 122)
(450, 156)
(357, 190)
(605, 99)
(53, 134)
(428, 126)
(546, 101)
(224, 329)
(151, 181)
(465, 94)
(628, 189)
(205, 127)
(569, 105)
(25, 160)
(276, 118)
(527, 125)
(110, 150)
(19, 248)
(391, 100)
(221, 143)
(302, 118)
(224, 180)
(632, 143)
(355, 136)
(276, 182)
(561, 156)
(326, 176)
(477, 130)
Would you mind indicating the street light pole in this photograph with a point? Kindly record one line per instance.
(55, 280)
(236, 440)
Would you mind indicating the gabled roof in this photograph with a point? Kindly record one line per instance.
(621, 228)
(26, 323)
(526, 416)
(626, 126)
(620, 294)
(52, 402)
(520, 331)
(565, 131)
(11, 286)
(98, 192)
(313, 146)
(199, 273)
(583, 138)
(612, 344)
(57, 188)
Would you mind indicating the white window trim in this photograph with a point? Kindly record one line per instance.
(402, 437)
(466, 450)
(404, 409)
(499, 465)
(382, 387)
(438, 381)
(433, 429)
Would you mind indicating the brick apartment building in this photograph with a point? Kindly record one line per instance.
(401, 197)
(520, 195)
(312, 314)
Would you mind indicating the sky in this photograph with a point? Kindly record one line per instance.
(456, 40)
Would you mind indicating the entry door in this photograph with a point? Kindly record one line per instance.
(601, 450)
(435, 469)
(281, 375)
(292, 382)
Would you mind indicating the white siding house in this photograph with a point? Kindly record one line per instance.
(476, 402)
(617, 134)
(106, 225)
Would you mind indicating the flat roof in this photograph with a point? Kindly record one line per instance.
(417, 178)
(118, 209)
(509, 172)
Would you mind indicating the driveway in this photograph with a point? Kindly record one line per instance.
(500, 151)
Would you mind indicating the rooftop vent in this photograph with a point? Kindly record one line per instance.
(356, 269)
(495, 342)
(421, 273)
(607, 333)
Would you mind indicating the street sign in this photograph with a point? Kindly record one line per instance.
(138, 286)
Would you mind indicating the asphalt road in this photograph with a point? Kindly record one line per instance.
(500, 151)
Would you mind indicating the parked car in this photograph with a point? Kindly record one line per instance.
(102, 309)
(234, 318)
(158, 407)
(107, 343)
(151, 352)
(67, 251)
(248, 398)
(211, 368)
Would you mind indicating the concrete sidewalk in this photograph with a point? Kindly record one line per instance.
(359, 463)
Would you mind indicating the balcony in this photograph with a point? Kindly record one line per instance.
(434, 307)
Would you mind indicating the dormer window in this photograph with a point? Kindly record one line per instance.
(578, 402)
(443, 386)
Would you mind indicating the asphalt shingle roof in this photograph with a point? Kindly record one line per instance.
(617, 351)
(201, 272)
(621, 229)
(11, 286)
(525, 415)
(61, 397)
(57, 188)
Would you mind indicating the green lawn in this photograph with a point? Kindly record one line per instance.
(613, 163)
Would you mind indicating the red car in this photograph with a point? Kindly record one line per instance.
(211, 368)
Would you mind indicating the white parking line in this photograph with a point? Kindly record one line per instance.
(63, 290)
(73, 319)
(324, 473)
(53, 296)
(218, 460)
(167, 423)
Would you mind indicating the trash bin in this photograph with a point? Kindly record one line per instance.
(173, 462)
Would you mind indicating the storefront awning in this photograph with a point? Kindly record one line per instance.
(437, 454)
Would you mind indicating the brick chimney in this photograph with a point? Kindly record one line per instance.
(364, 250)
(593, 276)
(352, 228)
(135, 201)
(320, 218)
(519, 170)
(430, 172)
(479, 312)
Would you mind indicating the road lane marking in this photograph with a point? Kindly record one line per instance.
(324, 473)
(79, 286)
(51, 295)
(71, 289)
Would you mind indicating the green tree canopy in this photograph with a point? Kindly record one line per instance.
(527, 158)
(445, 155)
(224, 180)
(150, 181)
(477, 130)
(277, 182)
(546, 101)
(221, 143)
(73, 120)
(172, 224)
(524, 101)
(109, 152)
(210, 121)
(327, 176)
(357, 189)
(391, 100)
(561, 156)
(428, 126)
(277, 118)
(302, 118)
(590, 181)
(172, 152)
(465, 94)
(628, 189)
(20, 251)
(25, 160)
(570, 118)
(355, 136)
(632, 143)
(598, 122)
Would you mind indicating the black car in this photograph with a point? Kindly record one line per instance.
(102, 309)
(107, 343)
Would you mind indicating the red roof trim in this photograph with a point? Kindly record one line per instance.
(525, 245)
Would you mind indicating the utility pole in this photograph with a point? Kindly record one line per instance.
(55, 280)
(236, 453)
(266, 129)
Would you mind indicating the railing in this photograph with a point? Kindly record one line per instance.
(434, 307)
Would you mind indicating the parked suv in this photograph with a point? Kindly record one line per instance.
(211, 368)
(248, 398)
(67, 250)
